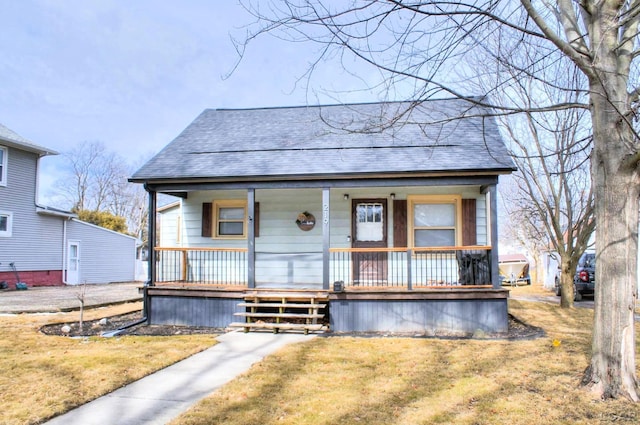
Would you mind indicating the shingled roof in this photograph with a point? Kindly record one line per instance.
(363, 140)
(13, 139)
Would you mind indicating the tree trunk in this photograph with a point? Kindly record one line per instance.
(567, 270)
(611, 373)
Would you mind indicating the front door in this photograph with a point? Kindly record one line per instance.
(369, 230)
(73, 262)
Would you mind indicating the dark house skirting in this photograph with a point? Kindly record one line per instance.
(430, 313)
(182, 307)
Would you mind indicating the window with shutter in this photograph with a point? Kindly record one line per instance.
(434, 221)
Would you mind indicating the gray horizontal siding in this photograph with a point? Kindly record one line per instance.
(36, 240)
(420, 316)
(105, 256)
(192, 311)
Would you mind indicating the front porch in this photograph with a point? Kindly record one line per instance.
(422, 291)
(463, 267)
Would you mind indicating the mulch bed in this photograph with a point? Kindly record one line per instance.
(98, 327)
(517, 329)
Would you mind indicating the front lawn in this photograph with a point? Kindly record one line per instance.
(343, 380)
(42, 376)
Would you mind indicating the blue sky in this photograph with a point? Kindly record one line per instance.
(133, 74)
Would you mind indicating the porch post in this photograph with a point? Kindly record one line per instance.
(151, 239)
(251, 238)
(493, 205)
(151, 255)
(326, 240)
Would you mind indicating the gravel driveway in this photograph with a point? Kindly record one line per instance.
(51, 299)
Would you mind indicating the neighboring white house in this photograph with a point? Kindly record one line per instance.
(45, 246)
(170, 225)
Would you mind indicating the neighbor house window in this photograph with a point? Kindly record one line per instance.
(6, 222)
(229, 218)
(434, 221)
(4, 156)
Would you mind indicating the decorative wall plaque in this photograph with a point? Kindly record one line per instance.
(306, 221)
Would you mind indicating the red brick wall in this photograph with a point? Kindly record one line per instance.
(34, 278)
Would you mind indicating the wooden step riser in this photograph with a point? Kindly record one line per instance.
(282, 305)
(277, 327)
(308, 303)
(281, 315)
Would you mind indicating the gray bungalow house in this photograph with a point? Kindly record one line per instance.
(46, 246)
(362, 217)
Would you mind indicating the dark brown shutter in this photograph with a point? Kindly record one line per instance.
(256, 219)
(400, 223)
(207, 217)
(469, 222)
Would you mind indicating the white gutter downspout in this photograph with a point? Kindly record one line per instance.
(63, 267)
(64, 252)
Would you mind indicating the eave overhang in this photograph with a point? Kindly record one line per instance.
(459, 178)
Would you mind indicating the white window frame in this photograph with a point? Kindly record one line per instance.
(8, 232)
(3, 165)
(455, 200)
(229, 203)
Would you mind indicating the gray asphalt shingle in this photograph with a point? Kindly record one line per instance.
(10, 137)
(449, 136)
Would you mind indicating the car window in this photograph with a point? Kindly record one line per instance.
(588, 260)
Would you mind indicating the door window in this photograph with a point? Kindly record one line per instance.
(370, 223)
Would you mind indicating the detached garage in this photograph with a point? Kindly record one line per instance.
(98, 255)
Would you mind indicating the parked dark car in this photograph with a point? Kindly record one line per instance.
(584, 281)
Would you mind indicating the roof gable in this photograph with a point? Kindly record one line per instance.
(439, 136)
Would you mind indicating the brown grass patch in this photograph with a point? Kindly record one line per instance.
(346, 380)
(43, 376)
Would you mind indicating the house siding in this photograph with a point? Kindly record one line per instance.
(36, 246)
(287, 256)
(169, 227)
(105, 256)
(36, 240)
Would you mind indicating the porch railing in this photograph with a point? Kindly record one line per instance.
(355, 267)
(222, 266)
(411, 268)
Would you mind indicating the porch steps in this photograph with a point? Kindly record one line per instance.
(280, 310)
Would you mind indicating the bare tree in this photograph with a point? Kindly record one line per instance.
(129, 200)
(550, 200)
(97, 182)
(76, 186)
(93, 172)
(416, 44)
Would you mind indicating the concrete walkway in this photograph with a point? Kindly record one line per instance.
(164, 395)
